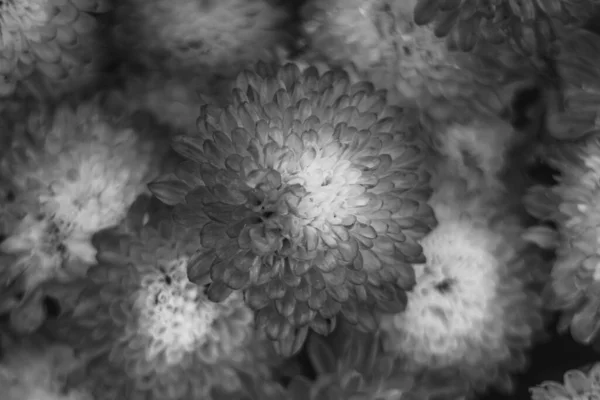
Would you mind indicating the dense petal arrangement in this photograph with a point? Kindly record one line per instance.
(578, 384)
(49, 47)
(410, 61)
(219, 37)
(310, 194)
(525, 25)
(74, 171)
(150, 332)
(32, 371)
(573, 206)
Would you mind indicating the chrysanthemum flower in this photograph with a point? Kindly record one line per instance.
(578, 384)
(472, 310)
(390, 50)
(217, 37)
(151, 333)
(574, 207)
(49, 47)
(79, 169)
(34, 372)
(525, 25)
(310, 195)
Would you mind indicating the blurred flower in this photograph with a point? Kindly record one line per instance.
(472, 311)
(573, 113)
(150, 332)
(577, 385)
(310, 194)
(525, 25)
(362, 372)
(75, 171)
(35, 371)
(49, 47)
(216, 37)
(573, 206)
(410, 61)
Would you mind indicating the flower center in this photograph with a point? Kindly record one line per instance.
(173, 313)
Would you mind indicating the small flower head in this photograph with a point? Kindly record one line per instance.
(153, 333)
(309, 194)
(577, 385)
(35, 35)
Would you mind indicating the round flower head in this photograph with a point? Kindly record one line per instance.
(574, 207)
(390, 50)
(31, 371)
(309, 194)
(79, 169)
(151, 333)
(525, 25)
(49, 47)
(217, 37)
(577, 385)
(471, 310)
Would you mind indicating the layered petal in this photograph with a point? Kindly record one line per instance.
(50, 48)
(310, 193)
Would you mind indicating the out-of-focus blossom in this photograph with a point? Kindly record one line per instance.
(310, 196)
(574, 207)
(50, 47)
(577, 384)
(382, 40)
(74, 171)
(216, 38)
(573, 112)
(36, 370)
(472, 311)
(152, 334)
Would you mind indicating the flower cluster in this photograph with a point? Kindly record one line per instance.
(296, 200)
(310, 196)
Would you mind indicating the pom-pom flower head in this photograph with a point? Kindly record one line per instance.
(79, 170)
(471, 311)
(578, 384)
(48, 46)
(151, 332)
(310, 195)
